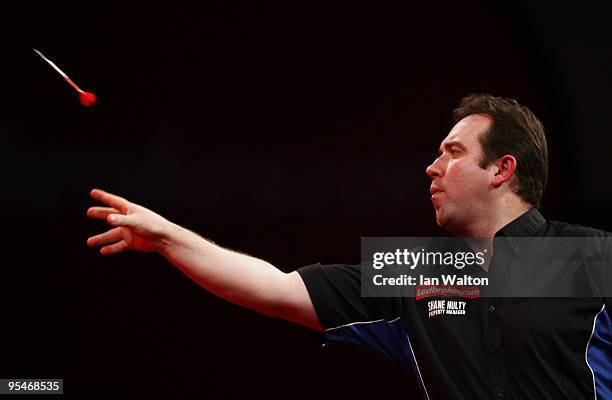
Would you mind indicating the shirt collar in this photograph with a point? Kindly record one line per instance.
(524, 226)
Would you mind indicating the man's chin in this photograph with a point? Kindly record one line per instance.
(444, 221)
(440, 218)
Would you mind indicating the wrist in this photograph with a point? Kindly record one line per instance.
(169, 238)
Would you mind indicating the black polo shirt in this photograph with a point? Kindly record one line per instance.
(490, 348)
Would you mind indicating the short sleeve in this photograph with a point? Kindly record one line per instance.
(335, 291)
(349, 317)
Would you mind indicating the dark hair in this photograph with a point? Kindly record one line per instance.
(514, 131)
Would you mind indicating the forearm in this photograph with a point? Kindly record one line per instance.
(239, 278)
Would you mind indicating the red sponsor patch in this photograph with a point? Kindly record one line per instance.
(467, 292)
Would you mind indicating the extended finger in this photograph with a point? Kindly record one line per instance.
(109, 236)
(114, 248)
(122, 220)
(101, 212)
(110, 199)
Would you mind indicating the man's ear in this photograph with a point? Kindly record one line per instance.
(506, 167)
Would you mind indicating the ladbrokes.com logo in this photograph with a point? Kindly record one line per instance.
(467, 292)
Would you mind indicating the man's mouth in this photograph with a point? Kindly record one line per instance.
(433, 190)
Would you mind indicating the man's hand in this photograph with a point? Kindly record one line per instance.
(136, 227)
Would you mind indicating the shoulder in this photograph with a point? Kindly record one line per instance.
(564, 229)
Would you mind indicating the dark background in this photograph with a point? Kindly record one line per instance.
(286, 130)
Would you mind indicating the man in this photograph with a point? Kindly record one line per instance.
(486, 182)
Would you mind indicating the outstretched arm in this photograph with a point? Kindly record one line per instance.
(239, 278)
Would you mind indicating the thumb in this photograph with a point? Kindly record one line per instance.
(121, 220)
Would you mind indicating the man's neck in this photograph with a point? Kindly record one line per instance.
(506, 211)
(484, 235)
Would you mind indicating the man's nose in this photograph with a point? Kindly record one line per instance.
(435, 170)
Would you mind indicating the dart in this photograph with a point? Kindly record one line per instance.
(87, 99)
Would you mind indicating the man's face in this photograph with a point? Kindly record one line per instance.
(460, 188)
